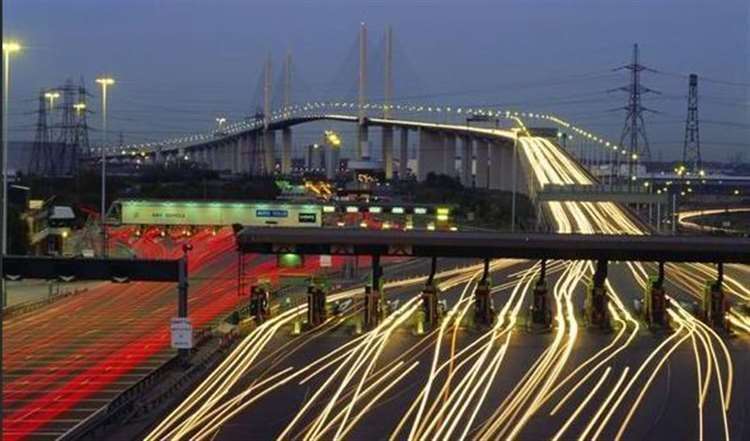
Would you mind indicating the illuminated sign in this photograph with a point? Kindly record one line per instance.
(307, 218)
(271, 213)
(219, 213)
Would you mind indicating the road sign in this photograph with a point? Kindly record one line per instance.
(182, 333)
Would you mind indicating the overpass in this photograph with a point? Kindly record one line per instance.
(249, 147)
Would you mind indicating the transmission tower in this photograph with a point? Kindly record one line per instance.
(81, 138)
(39, 163)
(72, 130)
(691, 150)
(634, 131)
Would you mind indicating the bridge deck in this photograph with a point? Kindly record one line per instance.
(495, 245)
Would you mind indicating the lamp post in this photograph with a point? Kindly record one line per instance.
(52, 95)
(9, 48)
(105, 82)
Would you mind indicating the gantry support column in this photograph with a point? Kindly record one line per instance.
(467, 157)
(403, 154)
(430, 156)
(269, 152)
(286, 151)
(388, 152)
(449, 155)
(482, 164)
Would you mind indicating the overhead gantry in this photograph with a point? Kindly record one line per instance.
(600, 249)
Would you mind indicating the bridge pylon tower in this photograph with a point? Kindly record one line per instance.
(362, 135)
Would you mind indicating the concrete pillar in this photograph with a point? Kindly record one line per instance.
(252, 154)
(211, 152)
(404, 154)
(239, 145)
(506, 167)
(269, 151)
(228, 156)
(467, 158)
(362, 149)
(495, 173)
(241, 154)
(430, 156)
(449, 155)
(286, 151)
(482, 163)
(388, 152)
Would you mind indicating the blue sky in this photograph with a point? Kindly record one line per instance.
(180, 63)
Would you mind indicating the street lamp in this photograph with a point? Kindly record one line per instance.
(79, 108)
(52, 96)
(105, 82)
(9, 48)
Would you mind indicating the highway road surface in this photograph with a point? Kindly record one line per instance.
(509, 380)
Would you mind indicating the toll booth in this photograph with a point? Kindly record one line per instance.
(595, 306)
(483, 311)
(316, 305)
(430, 305)
(655, 301)
(714, 305)
(372, 307)
(714, 302)
(541, 311)
(259, 302)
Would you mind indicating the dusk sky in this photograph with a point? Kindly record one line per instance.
(181, 63)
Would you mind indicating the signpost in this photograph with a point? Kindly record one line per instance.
(182, 333)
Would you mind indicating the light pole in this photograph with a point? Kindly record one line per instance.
(515, 184)
(105, 82)
(9, 48)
